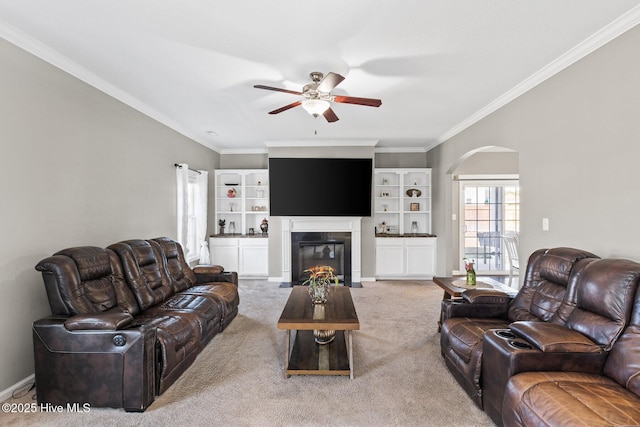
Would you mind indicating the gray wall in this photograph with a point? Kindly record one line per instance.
(576, 136)
(76, 168)
(401, 160)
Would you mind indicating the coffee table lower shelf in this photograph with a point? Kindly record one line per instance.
(310, 358)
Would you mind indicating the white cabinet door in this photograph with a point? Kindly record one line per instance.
(421, 260)
(224, 252)
(405, 257)
(254, 257)
(389, 257)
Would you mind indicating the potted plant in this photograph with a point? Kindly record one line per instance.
(319, 281)
(471, 272)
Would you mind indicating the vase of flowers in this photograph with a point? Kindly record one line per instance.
(471, 273)
(319, 281)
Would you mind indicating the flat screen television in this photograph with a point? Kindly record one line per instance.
(320, 187)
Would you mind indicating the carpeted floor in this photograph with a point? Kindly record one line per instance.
(400, 377)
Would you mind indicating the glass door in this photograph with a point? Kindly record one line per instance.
(488, 211)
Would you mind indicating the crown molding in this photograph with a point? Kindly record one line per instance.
(592, 43)
(55, 58)
(323, 143)
(244, 151)
(401, 149)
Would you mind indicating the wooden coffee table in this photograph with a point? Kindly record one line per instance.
(454, 287)
(306, 357)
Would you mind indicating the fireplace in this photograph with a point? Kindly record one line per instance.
(312, 249)
(328, 229)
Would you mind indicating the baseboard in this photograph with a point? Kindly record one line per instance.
(8, 392)
(367, 279)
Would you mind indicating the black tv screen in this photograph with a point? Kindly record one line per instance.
(320, 187)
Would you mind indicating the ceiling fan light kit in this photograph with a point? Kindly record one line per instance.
(318, 96)
(315, 107)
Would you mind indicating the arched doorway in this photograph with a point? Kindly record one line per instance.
(486, 208)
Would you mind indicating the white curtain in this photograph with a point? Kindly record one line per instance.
(201, 201)
(182, 179)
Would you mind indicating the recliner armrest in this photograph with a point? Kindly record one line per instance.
(208, 269)
(486, 296)
(226, 276)
(554, 338)
(111, 320)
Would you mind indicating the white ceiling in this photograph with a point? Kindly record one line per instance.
(437, 65)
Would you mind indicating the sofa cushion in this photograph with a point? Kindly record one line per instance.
(604, 299)
(176, 268)
(207, 312)
(568, 398)
(463, 334)
(546, 283)
(143, 271)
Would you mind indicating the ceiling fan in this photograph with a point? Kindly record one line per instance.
(317, 96)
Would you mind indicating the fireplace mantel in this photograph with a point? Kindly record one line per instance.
(320, 224)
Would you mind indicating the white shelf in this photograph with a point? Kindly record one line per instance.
(252, 190)
(391, 186)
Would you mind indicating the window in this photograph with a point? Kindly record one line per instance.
(489, 210)
(192, 247)
(192, 213)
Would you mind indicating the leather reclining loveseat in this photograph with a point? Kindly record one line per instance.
(567, 317)
(126, 322)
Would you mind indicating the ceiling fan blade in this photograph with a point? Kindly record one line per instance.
(370, 102)
(330, 81)
(330, 115)
(277, 89)
(286, 107)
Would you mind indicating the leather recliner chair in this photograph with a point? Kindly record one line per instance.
(542, 294)
(578, 339)
(573, 397)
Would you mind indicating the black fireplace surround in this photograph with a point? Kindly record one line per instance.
(311, 249)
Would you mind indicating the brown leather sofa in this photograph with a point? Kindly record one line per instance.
(609, 397)
(126, 322)
(570, 330)
(465, 322)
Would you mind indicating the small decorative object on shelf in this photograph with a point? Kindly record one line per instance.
(414, 227)
(264, 227)
(414, 207)
(471, 273)
(221, 224)
(232, 227)
(414, 192)
(232, 193)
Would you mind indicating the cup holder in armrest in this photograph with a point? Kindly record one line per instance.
(520, 345)
(506, 334)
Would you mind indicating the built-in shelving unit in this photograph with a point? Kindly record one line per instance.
(242, 198)
(402, 198)
(405, 247)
